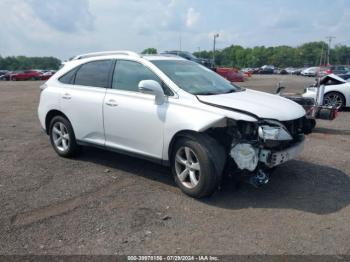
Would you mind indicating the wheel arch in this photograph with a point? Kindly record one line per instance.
(219, 156)
(180, 134)
(50, 115)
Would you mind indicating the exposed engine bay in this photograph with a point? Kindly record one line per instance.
(256, 147)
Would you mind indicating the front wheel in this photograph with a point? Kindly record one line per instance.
(195, 166)
(334, 99)
(62, 137)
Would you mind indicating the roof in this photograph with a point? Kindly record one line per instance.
(162, 57)
(114, 54)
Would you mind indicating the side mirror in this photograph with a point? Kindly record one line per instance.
(152, 87)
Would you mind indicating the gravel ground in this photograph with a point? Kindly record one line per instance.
(106, 203)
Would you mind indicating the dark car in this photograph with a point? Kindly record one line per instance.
(266, 70)
(191, 57)
(3, 72)
(26, 75)
(345, 76)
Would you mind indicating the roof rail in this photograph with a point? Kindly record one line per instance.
(88, 55)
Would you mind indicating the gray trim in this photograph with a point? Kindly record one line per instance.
(125, 152)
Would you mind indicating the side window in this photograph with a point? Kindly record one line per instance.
(68, 78)
(128, 74)
(94, 74)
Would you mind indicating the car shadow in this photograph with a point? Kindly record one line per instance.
(296, 185)
(127, 165)
(329, 131)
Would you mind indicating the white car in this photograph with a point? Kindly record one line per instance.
(172, 111)
(310, 71)
(336, 91)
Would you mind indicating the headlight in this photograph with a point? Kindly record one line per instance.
(273, 133)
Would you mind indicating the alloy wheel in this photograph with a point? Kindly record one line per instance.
(60, 136)
(333, 99)
(187, 167)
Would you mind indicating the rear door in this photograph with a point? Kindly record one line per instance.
(133, 122)
(82, 102)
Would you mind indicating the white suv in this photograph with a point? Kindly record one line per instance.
(171, 111)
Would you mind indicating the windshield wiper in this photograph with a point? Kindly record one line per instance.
(230, 91)
(206, 93)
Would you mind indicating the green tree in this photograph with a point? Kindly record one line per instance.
(23, 62)
(150, 51)
(308, 54)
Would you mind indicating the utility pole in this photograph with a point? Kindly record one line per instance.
(329, 38)
(215, 36)
(321, 58)
(180, 42)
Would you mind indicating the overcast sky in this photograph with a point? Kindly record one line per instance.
(64, 28)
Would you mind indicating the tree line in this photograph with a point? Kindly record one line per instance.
(308, 54)
(13, 63)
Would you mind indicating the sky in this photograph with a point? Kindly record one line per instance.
(63, 28)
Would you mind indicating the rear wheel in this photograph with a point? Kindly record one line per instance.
(62, 137)
(195, 168)
(334, 99)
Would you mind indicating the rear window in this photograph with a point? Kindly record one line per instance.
(68, 78)
(96, 74)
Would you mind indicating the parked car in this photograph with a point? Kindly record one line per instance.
(297, 71)
(281, 72)
(47, 74)
(187, 55)
(7, 76)
(3, 72)
(267, 69)
(26, 75)
(334, 69)
(248, 70)
(345, 77)
(336, 93)
(310, 71)
(171, 111)
(231, 74)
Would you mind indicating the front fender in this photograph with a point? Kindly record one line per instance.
(198, 118)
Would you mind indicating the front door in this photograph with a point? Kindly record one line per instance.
(133, 122)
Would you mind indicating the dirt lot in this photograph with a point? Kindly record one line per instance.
(106, 203)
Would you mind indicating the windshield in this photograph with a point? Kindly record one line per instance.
(194, 78)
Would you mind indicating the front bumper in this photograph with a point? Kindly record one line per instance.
(273, 158)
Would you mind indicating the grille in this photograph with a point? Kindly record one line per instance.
(294, 127)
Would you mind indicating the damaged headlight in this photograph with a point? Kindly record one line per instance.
(274, 133)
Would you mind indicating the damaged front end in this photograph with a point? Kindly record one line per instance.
(256, 147)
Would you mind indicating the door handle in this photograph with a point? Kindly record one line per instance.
(67, 96)
(111, 103)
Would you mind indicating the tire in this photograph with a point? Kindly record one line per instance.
(62, 137)
(334, 99)
(204, 161)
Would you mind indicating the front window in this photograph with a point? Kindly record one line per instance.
(128, 74)
(194, 78)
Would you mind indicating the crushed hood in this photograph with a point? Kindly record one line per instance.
(333, 77)
(261, 104)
